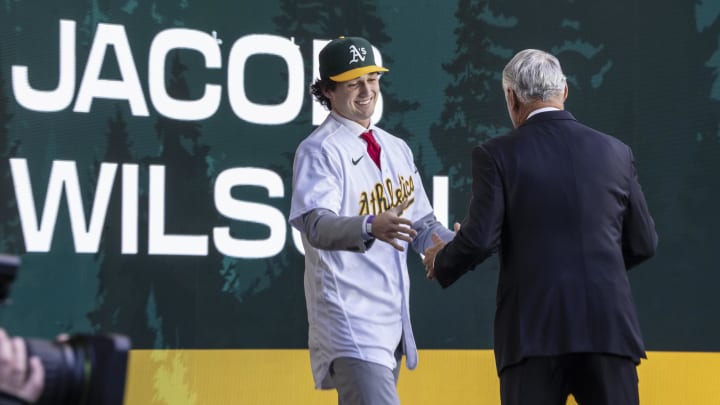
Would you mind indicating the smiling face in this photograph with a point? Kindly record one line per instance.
(355, 99)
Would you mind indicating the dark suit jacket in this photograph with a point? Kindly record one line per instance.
(561, 204)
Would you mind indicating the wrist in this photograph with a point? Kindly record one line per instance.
(368, 225)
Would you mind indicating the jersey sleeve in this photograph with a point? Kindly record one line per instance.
(316, 184)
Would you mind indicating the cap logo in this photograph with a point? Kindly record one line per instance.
(358, 55)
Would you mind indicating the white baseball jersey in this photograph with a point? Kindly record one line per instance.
(357, 302)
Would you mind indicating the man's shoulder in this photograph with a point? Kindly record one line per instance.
(602, 136)
(322, 136)
(504, 140)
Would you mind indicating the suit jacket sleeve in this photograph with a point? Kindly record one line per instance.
(480, 231)
(639, 239)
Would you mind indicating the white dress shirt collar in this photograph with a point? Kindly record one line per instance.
(542, 110)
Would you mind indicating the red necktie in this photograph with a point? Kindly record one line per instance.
(372, 147)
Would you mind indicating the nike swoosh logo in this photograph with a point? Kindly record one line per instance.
(356, 161)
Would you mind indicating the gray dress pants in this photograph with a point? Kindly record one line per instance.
(360, 382)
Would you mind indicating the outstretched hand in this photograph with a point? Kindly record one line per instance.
(390, 227)
(432, 251)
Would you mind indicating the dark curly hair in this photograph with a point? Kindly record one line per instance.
(317, 88)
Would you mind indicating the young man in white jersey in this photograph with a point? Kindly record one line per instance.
(358, 202)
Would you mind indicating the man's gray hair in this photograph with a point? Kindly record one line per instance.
(534, 75)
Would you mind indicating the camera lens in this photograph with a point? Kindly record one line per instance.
(84, 370)
(67, 367)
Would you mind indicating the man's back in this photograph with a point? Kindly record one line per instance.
(562, 206)
(574, 215)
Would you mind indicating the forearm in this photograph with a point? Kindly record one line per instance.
(328, 231)
(479, 235)
(425, 228)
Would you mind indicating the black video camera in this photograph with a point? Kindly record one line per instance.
(83, 370)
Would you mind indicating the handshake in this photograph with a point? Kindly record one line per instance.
(389, 226)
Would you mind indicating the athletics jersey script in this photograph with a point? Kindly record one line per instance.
(382, 197)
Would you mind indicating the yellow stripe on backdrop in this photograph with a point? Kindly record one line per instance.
(453, 377)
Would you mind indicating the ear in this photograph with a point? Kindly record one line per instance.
(566, 93)
(327, 93)
(512, 100)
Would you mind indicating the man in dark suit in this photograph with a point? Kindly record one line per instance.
(561, 204)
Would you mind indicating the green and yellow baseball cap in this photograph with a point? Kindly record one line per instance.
(347, 58)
